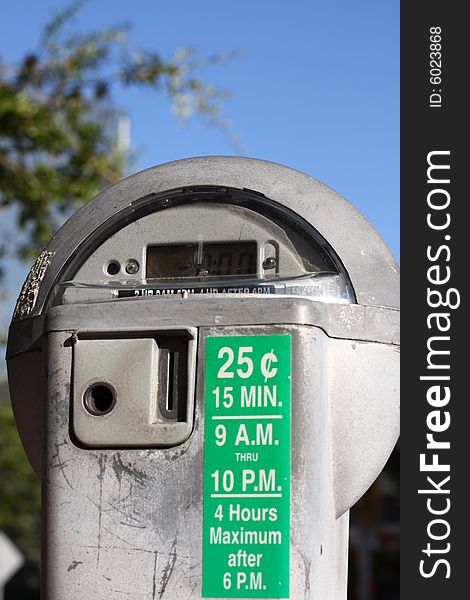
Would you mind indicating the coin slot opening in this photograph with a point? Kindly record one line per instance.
(172, 378)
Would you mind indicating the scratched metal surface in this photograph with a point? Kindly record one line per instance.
(128, 523)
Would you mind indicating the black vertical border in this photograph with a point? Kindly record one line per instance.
(425, 129)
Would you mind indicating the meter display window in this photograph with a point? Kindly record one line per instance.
(201, 259)
(207, 240)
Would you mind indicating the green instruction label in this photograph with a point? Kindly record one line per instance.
(247, 467)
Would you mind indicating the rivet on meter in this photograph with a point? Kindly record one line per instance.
(269, 263)
(132, 267)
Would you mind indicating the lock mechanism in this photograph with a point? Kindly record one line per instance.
(134, 391)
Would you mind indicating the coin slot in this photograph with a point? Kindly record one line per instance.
(99, 399)
(172, 380)
(172, 384)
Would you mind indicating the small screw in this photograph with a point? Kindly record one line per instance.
(269, 263)
(132, 266)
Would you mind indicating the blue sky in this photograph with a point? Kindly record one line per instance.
(317, 87)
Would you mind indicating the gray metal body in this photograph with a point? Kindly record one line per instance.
(123, 514)
(137, 514)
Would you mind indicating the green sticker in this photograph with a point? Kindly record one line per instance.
(246, 538)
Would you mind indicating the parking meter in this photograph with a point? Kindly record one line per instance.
(203, 365)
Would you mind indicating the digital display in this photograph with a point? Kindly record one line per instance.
(207, 259)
